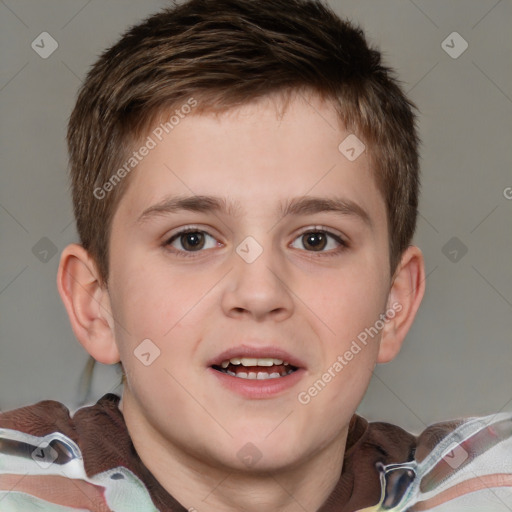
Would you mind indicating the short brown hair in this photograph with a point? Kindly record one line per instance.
(225, 53)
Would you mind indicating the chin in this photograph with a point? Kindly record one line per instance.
(255, 454)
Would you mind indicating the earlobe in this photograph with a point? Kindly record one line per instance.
(88, 304)
(404, 299)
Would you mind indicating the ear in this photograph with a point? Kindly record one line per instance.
(404, 299)
(88, 304)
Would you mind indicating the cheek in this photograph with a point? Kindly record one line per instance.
(148, 298)
(346, 302)
(151, 302)
(358, 299)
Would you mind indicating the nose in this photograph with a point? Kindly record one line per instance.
(258, 284)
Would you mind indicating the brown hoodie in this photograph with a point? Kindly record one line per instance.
(98, 434)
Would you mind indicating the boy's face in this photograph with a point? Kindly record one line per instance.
(211, 296)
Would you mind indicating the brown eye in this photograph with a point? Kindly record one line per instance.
(320, 241)
(316, 241)
(190, 241)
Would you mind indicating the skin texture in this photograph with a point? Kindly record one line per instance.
(188, 428)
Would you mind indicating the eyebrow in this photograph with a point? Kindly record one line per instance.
(304, 205)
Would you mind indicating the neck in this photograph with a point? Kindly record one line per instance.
(204, 487)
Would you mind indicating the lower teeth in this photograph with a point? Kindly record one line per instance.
(257, 376)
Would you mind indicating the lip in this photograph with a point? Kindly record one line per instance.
(258, 353)
(254, 388)
(257, 389)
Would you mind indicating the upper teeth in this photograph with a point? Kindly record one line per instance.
(249, 361)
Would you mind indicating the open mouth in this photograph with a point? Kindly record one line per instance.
(255, 368)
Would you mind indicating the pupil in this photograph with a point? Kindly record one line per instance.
(192, 240)
(320, 239)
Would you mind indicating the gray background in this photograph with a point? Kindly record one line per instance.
(456, 360)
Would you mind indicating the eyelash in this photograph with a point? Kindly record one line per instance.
(317, 229)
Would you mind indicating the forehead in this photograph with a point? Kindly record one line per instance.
(255, 155)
